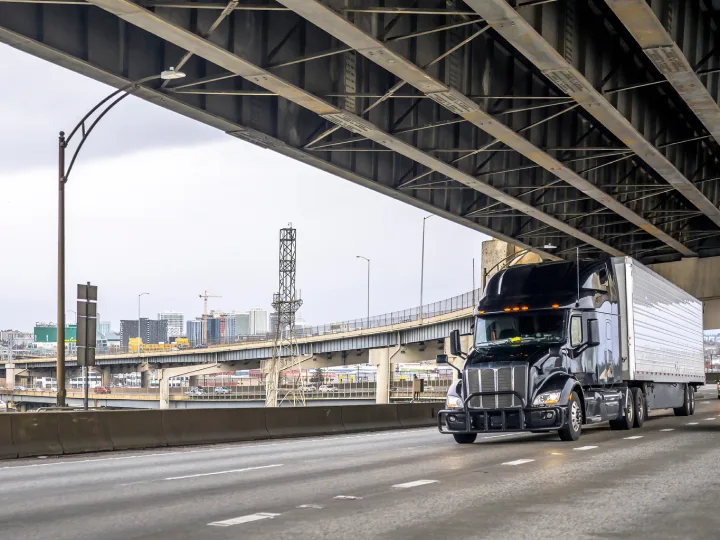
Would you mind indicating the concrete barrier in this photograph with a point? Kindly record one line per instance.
(135, 429)
(418, 414)
(206, 426)
(303, 421)
(36, 434)
(84, 432)
(7, 449)
(369, 417)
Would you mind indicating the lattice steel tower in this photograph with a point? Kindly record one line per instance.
(286, 304)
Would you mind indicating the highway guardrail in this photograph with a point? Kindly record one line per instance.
(61, 432)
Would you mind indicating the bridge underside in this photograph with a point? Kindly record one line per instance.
(542, 123)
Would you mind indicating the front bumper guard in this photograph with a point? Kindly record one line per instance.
(471, 420)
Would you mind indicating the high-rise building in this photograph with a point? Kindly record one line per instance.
(273, 322)
(242, 324)
(103, 328)
(151, 331)
(175, 322)
(195, 332)
(213, 330)
(258, 321)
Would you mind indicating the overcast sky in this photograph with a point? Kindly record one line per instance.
(162, 204)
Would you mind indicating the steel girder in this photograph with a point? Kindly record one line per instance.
(493, 188)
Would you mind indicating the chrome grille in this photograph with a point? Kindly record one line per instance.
(494, 379)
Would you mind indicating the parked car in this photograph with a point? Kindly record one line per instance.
(308, 388)
(19, 388)
(222, 390)
(102, 390)
(194, 392)
(326, 388)
(53, 389)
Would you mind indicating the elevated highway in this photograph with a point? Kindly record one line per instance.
(588, 124)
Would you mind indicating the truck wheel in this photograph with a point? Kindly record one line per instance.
(685, 410)
(465, 438)
(639, 402)
(572, 429)
(628, 420)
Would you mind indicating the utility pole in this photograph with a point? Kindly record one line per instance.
(205, 314)
(139, 324)
(422, 266)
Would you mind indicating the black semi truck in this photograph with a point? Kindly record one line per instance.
(563, 344)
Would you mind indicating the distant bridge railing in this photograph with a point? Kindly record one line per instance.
(456, 303)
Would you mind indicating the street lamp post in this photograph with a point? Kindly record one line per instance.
(422, 266)
(368, 287)
(63, 175)
(139, 334)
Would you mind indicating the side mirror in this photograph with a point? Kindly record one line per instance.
(593, 333)
(441, 359)
(455, 349)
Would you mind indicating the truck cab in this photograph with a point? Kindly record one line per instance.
(546, 355)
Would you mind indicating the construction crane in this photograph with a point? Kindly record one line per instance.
(205, 314)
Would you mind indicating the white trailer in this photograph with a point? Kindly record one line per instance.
(661, 334)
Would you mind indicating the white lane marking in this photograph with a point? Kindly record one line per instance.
(668, 429)
(582, 448)
(518, 462)
(389, 433)
(54, 463)
(416, 483)
(314, 506)
(692, 424)
(243, 519)
(556, 454)
(135, 483)
(503, 435)
(709, 419)
(224, 472)
(348, 497)
(633, 437)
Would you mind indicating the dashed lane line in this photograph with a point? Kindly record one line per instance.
(710, 419)
(692, 424)
(244, 519)
(225, 472)
(348, 497)
(416, 483)
(632, 438)
(583, 448)
(518, 462)
(313, 506)
(668, 429)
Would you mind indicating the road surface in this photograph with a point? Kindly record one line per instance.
(661, 481)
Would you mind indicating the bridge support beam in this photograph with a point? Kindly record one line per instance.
(106, 374)
(380, 358)
(145, 378)
(165, 374)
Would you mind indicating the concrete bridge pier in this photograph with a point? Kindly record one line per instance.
(106, 374)
(165, 374)
(145, 379)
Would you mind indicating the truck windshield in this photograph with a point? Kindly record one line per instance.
(512, 328)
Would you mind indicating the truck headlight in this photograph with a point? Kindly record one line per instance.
(547, 398)
(454, 402)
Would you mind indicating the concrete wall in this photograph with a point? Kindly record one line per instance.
(699, 277)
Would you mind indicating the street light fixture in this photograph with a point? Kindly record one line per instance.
(422, 266)
(63, 175)
(139, 338)
(368, 286)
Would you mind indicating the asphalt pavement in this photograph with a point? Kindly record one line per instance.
(661, 481)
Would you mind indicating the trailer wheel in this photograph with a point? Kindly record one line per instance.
(640, 406)
(628, 420)
(572, 429)
(465, 438)
(686, 409)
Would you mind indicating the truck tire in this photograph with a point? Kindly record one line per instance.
(692, 400)
(686, 409)
(572, 429)
(628, 420)
(640, 406)
(465, 438)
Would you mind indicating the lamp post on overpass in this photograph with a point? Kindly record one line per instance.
(422, 266)
(368, 287)
(63, 175)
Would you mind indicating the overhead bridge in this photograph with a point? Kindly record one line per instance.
(588, 124)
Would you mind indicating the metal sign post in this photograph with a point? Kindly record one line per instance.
(86, 332)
